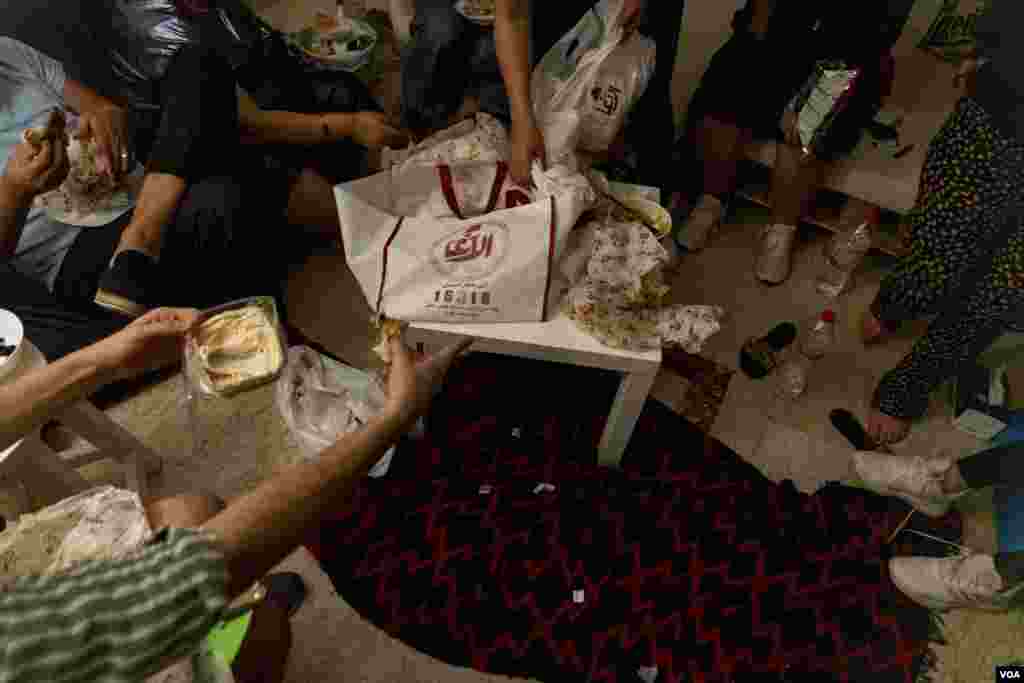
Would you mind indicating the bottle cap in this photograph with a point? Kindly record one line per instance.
(829, 316)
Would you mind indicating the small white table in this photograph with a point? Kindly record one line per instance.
(50, 477)
(561, 341)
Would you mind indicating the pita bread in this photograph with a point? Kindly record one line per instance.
(55, 129)
(389, 329)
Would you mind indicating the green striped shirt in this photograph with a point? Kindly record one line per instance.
(118, 621)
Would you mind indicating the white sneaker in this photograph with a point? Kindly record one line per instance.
(915, 479)
(941, 583)
(703, 220)
(775, 259)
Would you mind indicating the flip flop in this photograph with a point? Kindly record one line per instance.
(758, 358)
(287, 590)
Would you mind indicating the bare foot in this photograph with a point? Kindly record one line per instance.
(886, 430)
(871, 329)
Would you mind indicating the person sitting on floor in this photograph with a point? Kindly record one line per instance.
(932, 485)
(744, 95)
(195, 228)
(180, 583)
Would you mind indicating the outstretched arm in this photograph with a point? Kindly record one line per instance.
(260, 529)
(368, 128)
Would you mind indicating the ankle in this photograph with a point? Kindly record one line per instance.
(153, 254)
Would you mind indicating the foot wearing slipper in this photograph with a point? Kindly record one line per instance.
(758, 357)
(286, 590)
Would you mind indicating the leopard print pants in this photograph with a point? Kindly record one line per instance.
(966, 260)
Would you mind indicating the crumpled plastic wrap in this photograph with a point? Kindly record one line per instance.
(321, 400)
(482, 138)
(104, 523)
(619, 298)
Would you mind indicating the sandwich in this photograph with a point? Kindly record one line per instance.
(237, 350)
(389, 329)
(54, 130)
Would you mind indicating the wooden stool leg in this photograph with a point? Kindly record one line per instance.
(92, 424)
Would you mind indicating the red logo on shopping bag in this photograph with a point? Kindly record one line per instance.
(471, 253)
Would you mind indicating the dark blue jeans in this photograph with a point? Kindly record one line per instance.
(448, 58)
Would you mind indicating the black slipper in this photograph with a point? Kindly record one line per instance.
(287, 590)
(758, 356)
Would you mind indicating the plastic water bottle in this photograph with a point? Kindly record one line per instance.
(819, 336)
(844, 253)
(816, 339)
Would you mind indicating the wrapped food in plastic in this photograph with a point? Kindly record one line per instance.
(235, 347)
(321, 400)
(824, 96)
(104, 523)
(482, 138)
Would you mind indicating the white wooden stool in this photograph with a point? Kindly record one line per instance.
(35, 472)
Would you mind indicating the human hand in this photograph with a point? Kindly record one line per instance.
(527, 145)
(412, 384)
(34, 170)
(107, 124)
(149, 343)
(632, 13)
(791, 133)
(372, 129)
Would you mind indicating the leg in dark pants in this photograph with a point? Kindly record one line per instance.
(435, 77)
(54, 327)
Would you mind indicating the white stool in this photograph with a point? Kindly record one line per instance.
(36, 472)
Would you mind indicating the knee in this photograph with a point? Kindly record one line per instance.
(184, 511)
(212, 202)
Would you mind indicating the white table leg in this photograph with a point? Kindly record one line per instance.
(629, 401)
(46, 477)
(92, 424)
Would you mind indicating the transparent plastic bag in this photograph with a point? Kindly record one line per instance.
(104, 523)
(199, 393)
(320, 400)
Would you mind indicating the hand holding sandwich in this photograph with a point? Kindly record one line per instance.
(33, 169)
(413, 384)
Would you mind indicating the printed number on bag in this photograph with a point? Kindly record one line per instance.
(462, 297)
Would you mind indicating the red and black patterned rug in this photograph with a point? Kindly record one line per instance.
(687, 559)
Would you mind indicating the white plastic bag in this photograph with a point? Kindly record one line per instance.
(321, 400)
(460, 243)
(482, 138)
(563, 85)
(620, 83)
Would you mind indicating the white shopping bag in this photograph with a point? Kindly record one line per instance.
(564, 85)
(460, 243)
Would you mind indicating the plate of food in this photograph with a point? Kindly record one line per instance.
(480, 12)
(87, 197)
(12, 334)
(344, 43)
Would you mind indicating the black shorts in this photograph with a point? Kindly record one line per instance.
(749, 83)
